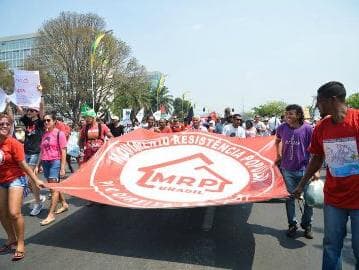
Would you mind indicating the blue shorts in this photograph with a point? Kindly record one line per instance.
(32, 159)
(52, 170)
(18, 182)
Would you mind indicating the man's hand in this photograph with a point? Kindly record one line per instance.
(316, 176)
(278, 160)
(297, 193)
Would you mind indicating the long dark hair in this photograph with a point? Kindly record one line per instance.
(298, 110)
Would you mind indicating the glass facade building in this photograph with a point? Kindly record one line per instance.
(15, 49)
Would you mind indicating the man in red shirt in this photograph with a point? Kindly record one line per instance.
(336, 139)
(162, 127)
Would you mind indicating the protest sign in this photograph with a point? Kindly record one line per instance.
(26, 93)
(140, 114)
(3, 97)
(143, 169)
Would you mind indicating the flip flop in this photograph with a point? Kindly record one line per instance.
(46, 222)
(8, 247)
(18, 255)
(61, 210)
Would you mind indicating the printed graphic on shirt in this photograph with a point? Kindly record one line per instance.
(342, 156)
(292, 142)
(2, 157)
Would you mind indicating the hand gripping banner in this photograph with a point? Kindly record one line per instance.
(143, 169)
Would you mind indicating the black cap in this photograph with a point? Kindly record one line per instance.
(332, 89)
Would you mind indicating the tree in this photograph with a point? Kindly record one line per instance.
(64, 55)
(164, 98)
(181, 107)
(132, 89)
(270, 108)
(353, 100)
(6, 78)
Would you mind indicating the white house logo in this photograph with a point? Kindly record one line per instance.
(181, 171)
(2, 157)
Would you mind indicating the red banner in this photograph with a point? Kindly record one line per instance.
(143, 169)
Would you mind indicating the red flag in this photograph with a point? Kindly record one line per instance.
(143, 169)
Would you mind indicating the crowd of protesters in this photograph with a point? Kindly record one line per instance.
(48, 144)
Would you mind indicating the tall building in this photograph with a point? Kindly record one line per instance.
(15, 49)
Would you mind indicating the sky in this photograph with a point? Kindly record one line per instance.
(223, 53)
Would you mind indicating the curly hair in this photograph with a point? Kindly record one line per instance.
(298, 110)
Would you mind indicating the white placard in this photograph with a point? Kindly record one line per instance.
(26, 93)
(2, 100)
(140, 114)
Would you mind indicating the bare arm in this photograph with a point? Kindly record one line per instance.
(109, 134)
(42, 102)
(63, 162)
(278, 148)
(31, 174)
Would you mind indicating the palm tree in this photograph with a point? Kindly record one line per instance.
(162, 98)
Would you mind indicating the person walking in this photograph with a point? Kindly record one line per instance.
(34, 129)
(294, 137)
(13, 186)
(53, 161)
(235, 129)
(336, 140)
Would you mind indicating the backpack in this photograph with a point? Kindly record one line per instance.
(92, 145)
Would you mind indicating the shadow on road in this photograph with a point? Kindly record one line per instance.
(166, 235)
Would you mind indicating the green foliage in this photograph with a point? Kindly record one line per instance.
(64, 58)
(270, 108)
(181, 107)
(6, 79)
(353, 100)
(163, 97)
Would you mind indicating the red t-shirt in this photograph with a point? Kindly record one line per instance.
(11, 152)
(166, 130)
(64, 128)
(339, 144)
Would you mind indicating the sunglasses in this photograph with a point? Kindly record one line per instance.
(5, 124)
(31, 110)
(48, 120)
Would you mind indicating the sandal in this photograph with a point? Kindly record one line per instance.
(46, 222)
(18, 255)
(61, 210)
(8, 247)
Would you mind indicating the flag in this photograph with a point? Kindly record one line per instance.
(161, 83)
(140, 114)
(126, 115)
(145, 169)
(94, 47)
(157, 115)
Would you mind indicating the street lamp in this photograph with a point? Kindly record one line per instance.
(183, 96)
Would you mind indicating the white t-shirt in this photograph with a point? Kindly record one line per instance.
(273, 123)
(231, 131)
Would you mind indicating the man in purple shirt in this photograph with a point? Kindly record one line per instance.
(294, 137)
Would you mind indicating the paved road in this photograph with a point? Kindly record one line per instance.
(247, 236)
(250, 236)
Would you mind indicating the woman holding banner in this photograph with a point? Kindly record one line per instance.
(13, 185)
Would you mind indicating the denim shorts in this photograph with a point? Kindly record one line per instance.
(52, 170)
(32, 159)
(18, 182)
